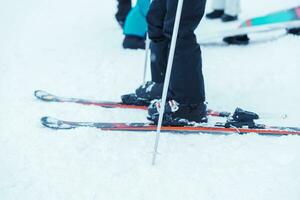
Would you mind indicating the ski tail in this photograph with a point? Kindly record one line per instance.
(54, 123)
(45, 96)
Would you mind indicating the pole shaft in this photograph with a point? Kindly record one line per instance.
(147, 49)
(167, 78)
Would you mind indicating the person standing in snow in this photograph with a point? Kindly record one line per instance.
(124, 7)
(227, 10)
(186, 95)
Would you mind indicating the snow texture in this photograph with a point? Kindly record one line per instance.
(73, 48)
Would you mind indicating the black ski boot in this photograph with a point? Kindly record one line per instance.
(144, 94)
(294, 31)
(237, 40)
(133, 42)
(176, 114)
(215, 14)
(229, 18)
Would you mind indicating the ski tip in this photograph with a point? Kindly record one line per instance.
(38, 93)
(43, 95)
(54, 123)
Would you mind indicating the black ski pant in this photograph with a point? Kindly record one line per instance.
(186, 83)
(124, 7)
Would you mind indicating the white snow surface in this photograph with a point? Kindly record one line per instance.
(73, 48)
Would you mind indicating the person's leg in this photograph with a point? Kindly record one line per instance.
(159, 56)
(135, 27)
(186, 85)
(218, 4)
(159, 43)
(232, 9)
(218, 7)
(123, 9)
(186, 89)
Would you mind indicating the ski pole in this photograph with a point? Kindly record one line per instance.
(146, 57)
(147, 49)
(167, 77)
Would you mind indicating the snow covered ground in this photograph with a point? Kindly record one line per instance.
(73, 48)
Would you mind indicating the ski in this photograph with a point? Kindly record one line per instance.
(280, 20)
(288, 15)
(217, 128)
(47, 97)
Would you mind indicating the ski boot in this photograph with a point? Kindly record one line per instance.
(133, 42)
(176, 114)
(229, 18)
(294, 31)
(144, 94)
(237, 40)
(215, 14)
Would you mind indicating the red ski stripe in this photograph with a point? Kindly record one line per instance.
(249, 22)
(297, 10)
(192, 129)
(114, 105)
(246, 23)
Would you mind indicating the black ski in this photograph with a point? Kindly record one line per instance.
(218, 128)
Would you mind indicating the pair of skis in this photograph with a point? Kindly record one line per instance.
(217, 128)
